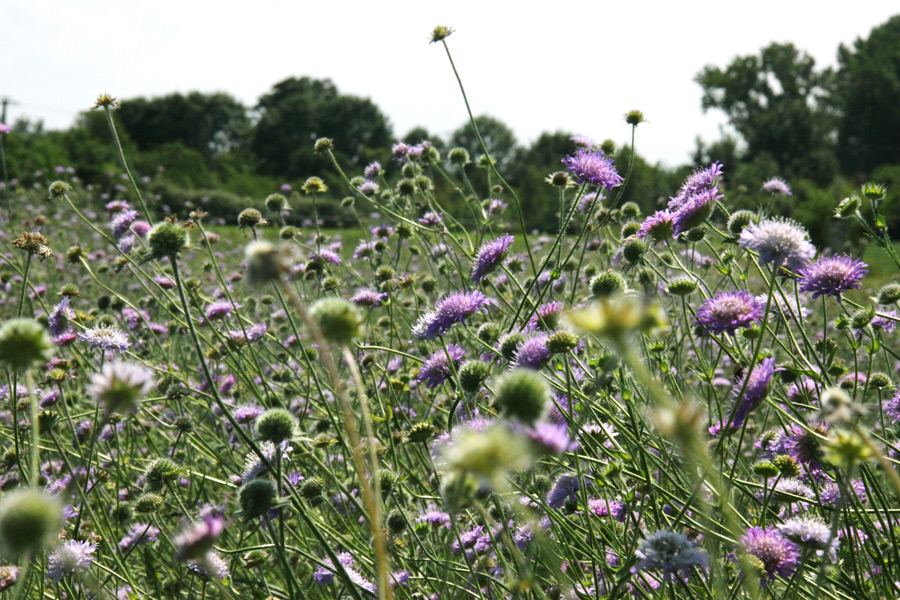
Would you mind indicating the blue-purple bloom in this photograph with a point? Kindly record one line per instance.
(489, 256)
(437, 369)
(670, 553)
(832, 275)
(195, 542)
(121, 221)
(71, 557)
(700, 180)
(658, 226)
(367, 297)
(593, 167)
(779, 555)
(454, 308)
(695, 209)
(105, 338)
(219, 309)
(533, 353)
(776, 185)
(779, 242)
(757, 386)
(59, 318)
(140, 533)
(372, 170)
(811, 532)
(564, 488)
(729, 311)
(546, 317)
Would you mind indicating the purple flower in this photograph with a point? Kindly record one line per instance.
(757, 387)
(489, 256)
(105, 338)
(729, 311)
(695, 209)
(71, 557)
(776, 185)
(832, 275)
(582, 141)
(198, 540)
(564, 488)
(811, 532)
(140, 533)
(533, 353)
(368, 188)
(699, 180)
(546, 318)
(121, 221)
(779, 242)
(435, 518)
(670, 552)
(247, 412)
(431, 218)
(658, 226)
(779, 555)
(325, 256)
(219, 310)
(550, 437)
(367, 297)
(400, 150)
(593, 167)
(59, 318)
(437, 369)
(372, 170)
(454, 308)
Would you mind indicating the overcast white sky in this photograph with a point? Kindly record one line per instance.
(567, 65)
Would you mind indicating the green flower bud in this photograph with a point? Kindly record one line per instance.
(312, 488)
(681, 286)
(766, 469)
(257, 498)
(148, 503)
(159, 473)
(634, 117)
(397, 522)
(488, 333)
(167, 239)
(472, 375)
(58, 189)
(323, 145)
(28, 519)
(24, 344)
(276, 203)
(561, 342)
(509, 345)
(606, 284)
(633, 250)
(459, 157)
(275, 425)
(458, 490)
(629, 229)
(879, 380)
(739, 220)
(421, 432)
(787, 466)
(522, 394)
(889, 294)
(338, 319)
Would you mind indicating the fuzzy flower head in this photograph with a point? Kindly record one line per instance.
(832, 275)
(437, 369)
(367, 297)
(120, 386)
(593, 167)
(454, 308)
(69, 558)
(195, 542)
(105, 338)
(700, 180)
(670, 553)
(658, 226)
(695, 209)
(811, 532)
(778, 242)
(219, 310)
(533, 353)
(776, 185)
(485, 453)
(489, 256)
(754, 389)
(729, 311)
(778, 555)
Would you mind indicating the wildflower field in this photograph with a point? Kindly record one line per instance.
(694, 403)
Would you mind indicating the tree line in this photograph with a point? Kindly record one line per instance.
(824, 130)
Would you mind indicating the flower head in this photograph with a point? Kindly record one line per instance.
(593, 167)
(778, 555)
(454, 308)
(811, 532)
(219, 310)
(71, 557)
(106, 338)
(670, 552)
(533, 353)
(695, 209)
(658, 226)
(754, 389)
(776, 185)
(832, 275)
(367, 297)
(727, 312)
(437, 368)
(120, 385)
(779, 242)
(489, 256)
(198, 540)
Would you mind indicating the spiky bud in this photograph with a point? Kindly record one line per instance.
(522, 394)
(257, 498)
(338, 319)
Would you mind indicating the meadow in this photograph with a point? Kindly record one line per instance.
(692, 403)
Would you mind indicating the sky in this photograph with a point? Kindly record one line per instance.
(560, 66)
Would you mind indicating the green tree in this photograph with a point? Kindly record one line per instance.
(780, 104)
(298, 111)
(868, 86)
(208, 123)
(498, 138)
